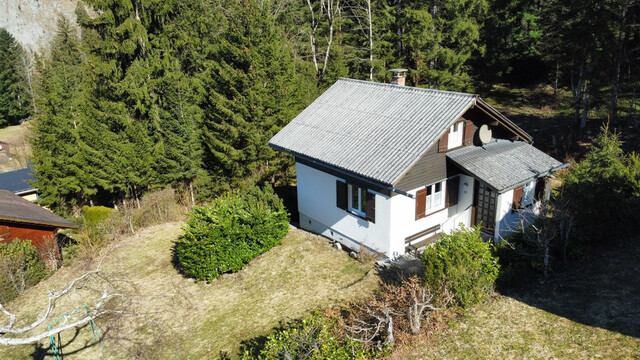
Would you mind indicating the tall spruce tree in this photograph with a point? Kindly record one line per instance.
(55, 146)
(252, 90)
(142, 107)
(438, 38)
(14, 94)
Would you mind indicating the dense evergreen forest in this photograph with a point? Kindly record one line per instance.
(158, 93)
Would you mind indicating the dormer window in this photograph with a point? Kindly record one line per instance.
(456, 132)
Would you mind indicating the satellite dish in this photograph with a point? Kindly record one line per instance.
(484, 134)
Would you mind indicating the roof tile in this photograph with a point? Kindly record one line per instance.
(372, 129)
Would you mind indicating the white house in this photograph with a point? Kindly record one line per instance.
(390, 167)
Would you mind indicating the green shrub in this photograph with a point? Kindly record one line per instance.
(101, 225)
(515, 261)
(603, 190)
(317, 337)
(93, 215)
(463, 263)
(227, 235)
(20, 268)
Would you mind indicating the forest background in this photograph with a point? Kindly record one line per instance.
(151, 94)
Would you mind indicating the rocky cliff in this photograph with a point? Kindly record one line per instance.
(33, 22)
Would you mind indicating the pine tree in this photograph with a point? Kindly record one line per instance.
(14, 95)
(55, 145)
(437, 40)
(144, 108)
(252, 91)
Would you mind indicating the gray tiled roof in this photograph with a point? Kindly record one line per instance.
(16, 180)
(374, 130)
(16, 209)
(503, 164)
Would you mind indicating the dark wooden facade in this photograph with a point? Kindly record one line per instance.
(42, 237)
(430, 168)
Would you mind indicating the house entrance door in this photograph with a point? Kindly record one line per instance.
(485, 206)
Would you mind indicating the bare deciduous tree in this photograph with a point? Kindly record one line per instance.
(329, 9)
(361, 12)
(401, 308)
(551, 227)
(10, 332)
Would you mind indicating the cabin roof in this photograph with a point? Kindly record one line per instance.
(503, 164)
(13, 208)
(375, 130)
(17, 181)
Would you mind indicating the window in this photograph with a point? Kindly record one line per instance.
(527, 193)
(460, 133)
(356, 200)
(430, 199)
(455, 135)
(523, 196)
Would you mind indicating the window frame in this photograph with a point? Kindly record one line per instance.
(430, 196)
(366, 198)
(431, 191)
(361, 208)
(455, 137)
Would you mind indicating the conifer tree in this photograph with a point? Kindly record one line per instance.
(437, 40)
(144, 116)
(252, 90)
(14, 96)
(55, 145)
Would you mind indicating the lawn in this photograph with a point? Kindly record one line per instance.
(178, 318)
(588, 311)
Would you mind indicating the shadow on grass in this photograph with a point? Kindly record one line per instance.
(62, 343)
(602, 291)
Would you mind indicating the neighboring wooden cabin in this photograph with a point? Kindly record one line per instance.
(18, 182)
(390, 167)
(22, 219)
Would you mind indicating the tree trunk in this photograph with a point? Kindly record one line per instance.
(634, 105)
(193, 198)
(585, 109)
(389, 341)
(332, 12)
(312, 37)
(370, 40)
(555, 84)
(577, 90)
(613, 111)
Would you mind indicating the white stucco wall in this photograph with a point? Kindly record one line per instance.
(507, 221)
(319, 213)
(403, 213)
(395, 216)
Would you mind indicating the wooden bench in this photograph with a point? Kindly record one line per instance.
(413, 247)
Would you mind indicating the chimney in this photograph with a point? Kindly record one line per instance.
(398, 76)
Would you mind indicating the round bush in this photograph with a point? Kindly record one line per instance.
(229, 233)
(463, 263)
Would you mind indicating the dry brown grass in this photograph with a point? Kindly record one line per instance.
(183, 319)
(585, 312)
(16, 147)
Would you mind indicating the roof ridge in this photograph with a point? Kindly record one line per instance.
(408, 88)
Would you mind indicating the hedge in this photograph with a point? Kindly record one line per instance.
(225, 236)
